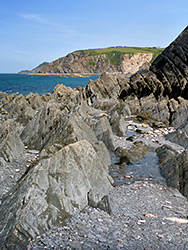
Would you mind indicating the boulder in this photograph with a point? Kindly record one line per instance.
(119, 125)
(174, 168)
(11, 146)
(103, 132)
(52, 124)
(153, 109)
(179, 115)
(73, 177)
(178, 137)
(169, 165)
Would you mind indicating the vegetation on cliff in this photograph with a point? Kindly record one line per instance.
(114, 53)
(112, 59)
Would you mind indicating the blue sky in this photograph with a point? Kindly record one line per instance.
(34, 31)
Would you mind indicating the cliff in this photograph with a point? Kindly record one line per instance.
(115, 59)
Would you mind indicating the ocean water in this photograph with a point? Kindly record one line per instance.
(24, 84)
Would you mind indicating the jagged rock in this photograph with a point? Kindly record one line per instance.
(178, 137)
(171, 67)
(174, 168)
(46, 97)
(99, 92)
(119, 125)
(18, 107)
(168, 165)
(72, 177)
(167, 77)
(11, 146)
(133, 103)
(64, 94)
(151, 108)
(179, 115)
(83, 109)
(52, 124)
(35, 100)
(103, 132)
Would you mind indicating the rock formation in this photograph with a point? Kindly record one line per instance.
(174, 168)
(86, 63)
(74, 131)
(74, 176)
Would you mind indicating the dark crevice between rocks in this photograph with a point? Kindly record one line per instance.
(103, 204)
(171, 113)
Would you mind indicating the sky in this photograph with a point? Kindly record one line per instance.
(36, 31)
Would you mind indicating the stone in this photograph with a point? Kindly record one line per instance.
(107, 87)
(72, 177)
(11, 146)
(178, 137)
(35, 100)
(174, 168)
(103, 132)
(64, 94)
(18, 108)
(119, 125)
(53, 124)
(123, 155)
(166, 79)
(179, 114)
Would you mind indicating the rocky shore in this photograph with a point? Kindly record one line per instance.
(99, 167)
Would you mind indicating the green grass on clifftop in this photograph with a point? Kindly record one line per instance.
(114, 53)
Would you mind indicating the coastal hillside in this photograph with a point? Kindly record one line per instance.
(35, 70)
(114, 59)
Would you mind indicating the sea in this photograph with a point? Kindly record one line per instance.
(41, 84)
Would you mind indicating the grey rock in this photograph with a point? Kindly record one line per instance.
(11, 146)
(98, 93)
(174, 168)
(52, 124)
(49, 192)
(119, 125)
(103, 132)
(178, 137)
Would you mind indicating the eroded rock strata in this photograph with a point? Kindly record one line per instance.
(56, 147)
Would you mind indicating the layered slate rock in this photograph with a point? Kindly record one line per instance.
(174, 168)
(74, 176)
(52, 124)
(104, 91)
(166, 81)
(171, 67)
(167, 75)
(11, 146)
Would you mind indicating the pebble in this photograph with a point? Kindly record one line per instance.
(137, 222)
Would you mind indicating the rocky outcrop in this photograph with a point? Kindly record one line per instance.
(162, 90)
(167, 75)
(174, 168)
(103, 92)
(81, 62)
(73, 177)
